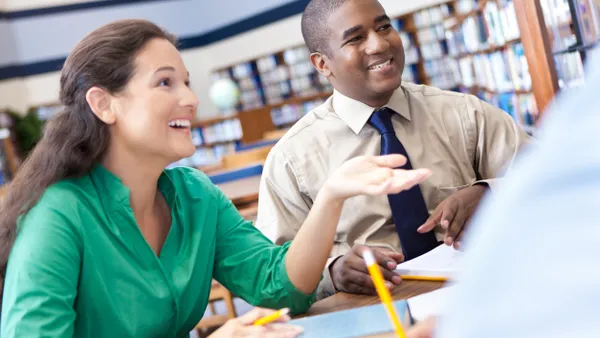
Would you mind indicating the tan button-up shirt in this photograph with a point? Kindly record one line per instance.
(459, 137)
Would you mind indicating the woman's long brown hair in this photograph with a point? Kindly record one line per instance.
(75, 139)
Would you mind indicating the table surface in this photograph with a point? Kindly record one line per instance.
(241, 191)
(343, 301)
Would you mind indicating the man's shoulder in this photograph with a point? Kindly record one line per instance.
(309, 129)
(440, 101)
(430, 93)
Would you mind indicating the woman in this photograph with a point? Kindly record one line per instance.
(110, 244)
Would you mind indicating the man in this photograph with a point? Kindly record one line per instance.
(465, 141)
(532, 252)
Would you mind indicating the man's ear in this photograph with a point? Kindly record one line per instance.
(320, 62)
(99, 101)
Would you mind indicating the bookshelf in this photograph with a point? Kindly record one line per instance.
(475, 47)
(559, 35)
(460, 45)
(8, 157)
(276, 91)
(514, 54)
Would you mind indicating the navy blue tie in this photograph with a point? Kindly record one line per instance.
(408, 207)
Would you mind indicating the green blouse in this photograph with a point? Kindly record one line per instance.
(81, 266)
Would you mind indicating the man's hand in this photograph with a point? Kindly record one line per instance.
(349, 272)
(454, 212)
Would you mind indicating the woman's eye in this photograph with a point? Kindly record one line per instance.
(164, 82)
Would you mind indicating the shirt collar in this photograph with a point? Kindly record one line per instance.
(115, 194)
(356, 114)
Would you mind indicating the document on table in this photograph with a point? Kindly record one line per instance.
(358, 322)
(429, 304)
(440, 262)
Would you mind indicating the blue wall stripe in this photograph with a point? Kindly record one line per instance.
(68, 8)
(253, 22)
(31, 68)
(237, 174)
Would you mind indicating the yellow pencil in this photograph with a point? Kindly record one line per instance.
(424, 278)
(272, 317)
(383, 291)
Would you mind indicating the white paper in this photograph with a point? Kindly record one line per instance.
(429, 304)
(439, 262)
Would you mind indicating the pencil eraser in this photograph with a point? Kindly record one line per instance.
(368, 257)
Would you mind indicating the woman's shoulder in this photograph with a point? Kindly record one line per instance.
(60, 206)
(66, 191)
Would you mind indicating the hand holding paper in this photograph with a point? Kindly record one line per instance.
(438, 264)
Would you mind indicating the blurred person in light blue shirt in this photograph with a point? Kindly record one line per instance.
(532, 258)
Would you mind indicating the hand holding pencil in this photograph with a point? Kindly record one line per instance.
(259, 323)
(384, 293)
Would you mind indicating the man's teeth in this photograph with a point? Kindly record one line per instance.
(379, 66)
(180, 123)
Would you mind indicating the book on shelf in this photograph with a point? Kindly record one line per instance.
(290, 113)
(5, 170)
(431, 16)
(224, 131)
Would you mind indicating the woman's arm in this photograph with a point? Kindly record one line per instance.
(42, 275)
(251, 267)
(310, 249)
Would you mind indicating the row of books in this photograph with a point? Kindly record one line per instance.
(466, 6)
(494, 26)
(443, 73)
(501, 71)
(225, 131)
(5, 174)
(277, 92)
(431, 16)
(431, 34)
(248, 80)
(522, 107)
(275, 78)
(291, 113)
(434, 50)
(561, 21)
(410, 74)
(205, 156)
(411, 49)
(310, 85)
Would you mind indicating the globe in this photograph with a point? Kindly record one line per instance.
(225, 94)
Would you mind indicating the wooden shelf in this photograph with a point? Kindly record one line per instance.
(211, 121)
(488, 50)
(292, 100)
(478, 88)
(212, 144)
(300, 99)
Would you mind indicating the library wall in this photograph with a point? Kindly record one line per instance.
(18, 5)
(41, 89)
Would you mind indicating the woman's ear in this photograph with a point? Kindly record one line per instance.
(99, 101)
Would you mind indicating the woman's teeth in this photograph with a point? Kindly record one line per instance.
(180, 124)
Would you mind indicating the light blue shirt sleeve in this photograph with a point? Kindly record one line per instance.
(532, 256)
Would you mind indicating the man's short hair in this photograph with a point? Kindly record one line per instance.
(314, 23)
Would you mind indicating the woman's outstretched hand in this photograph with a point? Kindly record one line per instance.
(373, 175)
